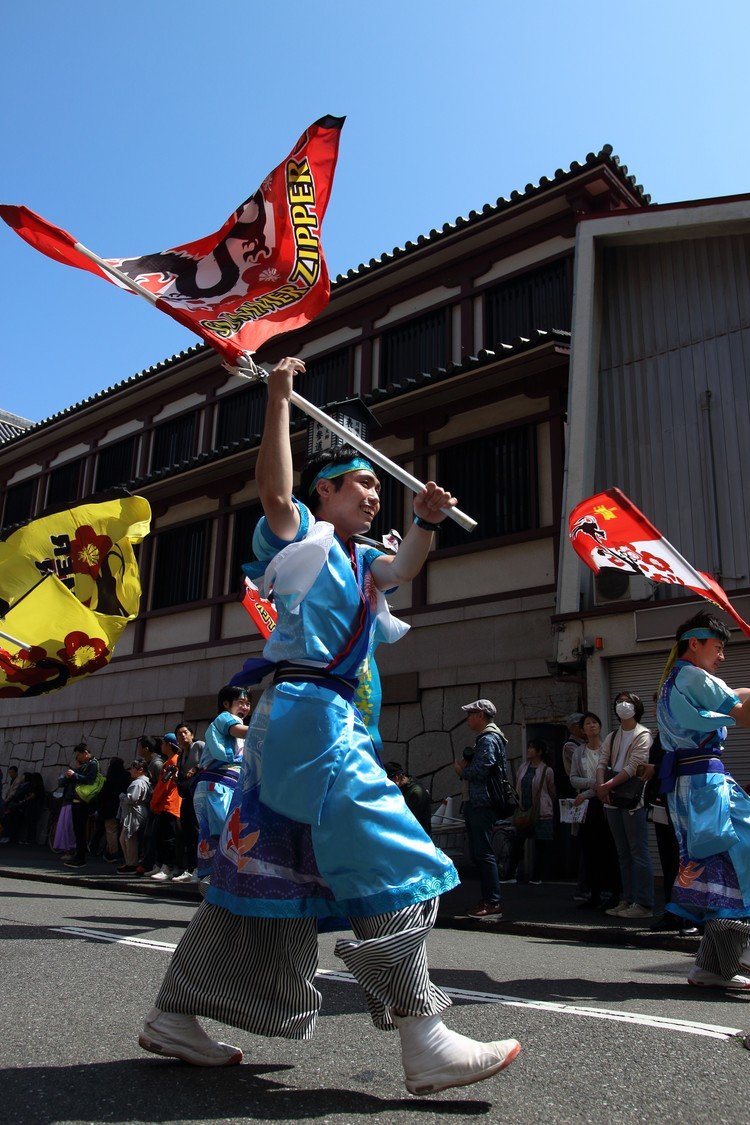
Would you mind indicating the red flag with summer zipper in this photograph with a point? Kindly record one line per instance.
(262, 273)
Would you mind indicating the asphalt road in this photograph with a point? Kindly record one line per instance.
(600, 1028)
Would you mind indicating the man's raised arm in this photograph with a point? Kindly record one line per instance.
(274, 472)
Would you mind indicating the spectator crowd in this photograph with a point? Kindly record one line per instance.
(160, 816)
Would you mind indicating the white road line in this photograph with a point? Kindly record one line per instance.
(663, 1023)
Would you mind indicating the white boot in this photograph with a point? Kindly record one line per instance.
(436, 1059)
(182, 1037)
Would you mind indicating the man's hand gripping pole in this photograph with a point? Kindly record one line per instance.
(248, 369)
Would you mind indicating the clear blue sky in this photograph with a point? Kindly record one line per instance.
(143, 125)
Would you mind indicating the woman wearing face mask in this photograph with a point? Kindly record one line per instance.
(625, 752)
(599, 855)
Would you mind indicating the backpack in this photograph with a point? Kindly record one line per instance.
(502, 795)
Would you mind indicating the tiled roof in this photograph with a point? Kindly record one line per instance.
(12, 425)
(605, 156)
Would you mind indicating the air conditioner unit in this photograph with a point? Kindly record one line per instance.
(612, 585)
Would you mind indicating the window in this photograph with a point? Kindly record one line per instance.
(64, 483)
(173, 442)
(327, 379)
(241, 415)
(391, 514)
(181, 570)
(115, 463)
(419, 345)
(495, 480)
(242, 537)
(19, 503)
(540, 299)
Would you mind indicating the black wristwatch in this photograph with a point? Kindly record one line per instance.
(425, 525)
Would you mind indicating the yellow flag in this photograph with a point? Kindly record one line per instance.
(70, 585)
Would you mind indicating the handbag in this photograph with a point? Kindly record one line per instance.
(628, 795)
(88, 793)
(523, 820)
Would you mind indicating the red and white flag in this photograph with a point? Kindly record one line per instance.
(607, 530)
(262, 611)
(263, 272)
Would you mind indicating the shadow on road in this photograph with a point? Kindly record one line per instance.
(160, 1091)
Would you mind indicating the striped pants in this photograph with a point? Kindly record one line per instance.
(724, 941)
(258, 973)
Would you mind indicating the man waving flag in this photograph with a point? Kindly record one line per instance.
(263, 272)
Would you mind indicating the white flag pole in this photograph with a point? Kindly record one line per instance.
(248, 369)
(14, 640)
(255, 373)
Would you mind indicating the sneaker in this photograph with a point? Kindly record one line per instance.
(701, 978)
(616, 911)
(535, 882)
(486, 912)
(186, 877)
(153, 871)
(75, 862)
(4, 839)
(126, 869)
(435, 1058)
(583, 896)
(637, 911)
(164, 875)
(182, 1037)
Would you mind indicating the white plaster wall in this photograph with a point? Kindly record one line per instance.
(416, 304)
(117, 432)
(178, 406)
(324, 343)
(190, 510)
(515, 567)
(177, 629)
(69, 454)
(484, 417)
(535, 255)
(24, 474)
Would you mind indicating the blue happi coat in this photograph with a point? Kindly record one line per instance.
(315, 827)
(709, 811)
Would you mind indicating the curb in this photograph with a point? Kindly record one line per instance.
(561, 931)
(101, 883)
(556, 931)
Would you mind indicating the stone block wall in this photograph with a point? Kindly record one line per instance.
(428, 736)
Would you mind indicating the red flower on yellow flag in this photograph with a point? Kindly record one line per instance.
(88, 550)
(82, 654)
(72, 584)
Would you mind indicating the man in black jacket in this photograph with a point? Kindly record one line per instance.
(417, 798)
(85, 773)
(489, 749)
